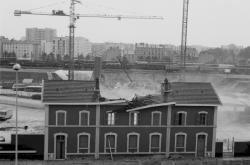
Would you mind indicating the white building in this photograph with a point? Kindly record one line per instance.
(24, 50)
(38, 34)
(60, 46)
(46, 47)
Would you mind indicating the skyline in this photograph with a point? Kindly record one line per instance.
(223, 26)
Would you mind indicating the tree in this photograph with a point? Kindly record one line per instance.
(51, 57)
(244, 54)
(58, 57)
(66, 58)
(44, 56)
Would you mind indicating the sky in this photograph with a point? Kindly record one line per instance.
(211, 22)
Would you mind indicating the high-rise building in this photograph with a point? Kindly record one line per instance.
(60, 47)
(37, 34)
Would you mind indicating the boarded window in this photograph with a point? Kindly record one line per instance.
(84, 118)
(155, 143)
(180, 143)
(133, 143)
(110, 143)
(61, 118)
(83, 143)
(156, 118)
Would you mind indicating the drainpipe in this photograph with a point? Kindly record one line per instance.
(97, 71)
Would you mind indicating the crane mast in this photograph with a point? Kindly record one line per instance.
(184, 35)
(72, 39)
(73, 17)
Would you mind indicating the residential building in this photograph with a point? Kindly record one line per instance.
(22, 50)
(180, 120)
(61, 46)
(46, 47)
(112, 54)
(39, 34)
(154, 53)
(98, 49)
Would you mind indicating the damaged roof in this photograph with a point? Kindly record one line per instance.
(182, 93)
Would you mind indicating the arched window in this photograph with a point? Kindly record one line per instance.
(180, 142)
(111, 118)
(156, 118)
(60, 145)
(84, 117)
(133, 118)
(203, 118)
(83, 142)
(181, 118)
(201, 144)
(110, 142)
(155, 142)
(61, 117)
(133, 142)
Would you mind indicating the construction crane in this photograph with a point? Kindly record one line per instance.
(184, 35)
(73, 17)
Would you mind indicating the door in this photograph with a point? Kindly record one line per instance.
(60, 147)
(201, 145)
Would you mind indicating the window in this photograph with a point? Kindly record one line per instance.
(156, 118)
(181, 118)
(110, 142)
(203, 118)
(83, 142)
(60, 117)
(155, 142)
(111, 118)
(133, 142)
(133, 118)
(180, 142)
(84, 118)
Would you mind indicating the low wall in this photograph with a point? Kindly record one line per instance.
(135, 162)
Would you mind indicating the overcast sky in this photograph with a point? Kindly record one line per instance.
(211, 22)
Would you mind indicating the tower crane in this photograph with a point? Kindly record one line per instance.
(73, 17)
(184, 35)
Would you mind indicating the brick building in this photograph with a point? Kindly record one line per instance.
(79, 123)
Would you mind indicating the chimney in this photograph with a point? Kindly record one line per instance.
(165, 90)
(97, 71)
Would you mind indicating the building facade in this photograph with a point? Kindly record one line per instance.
(60, 47)
(22, 50)
(38, 34)
(181, 120)
(112, 54)
(155, 53)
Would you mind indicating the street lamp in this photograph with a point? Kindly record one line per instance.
(16, 67)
